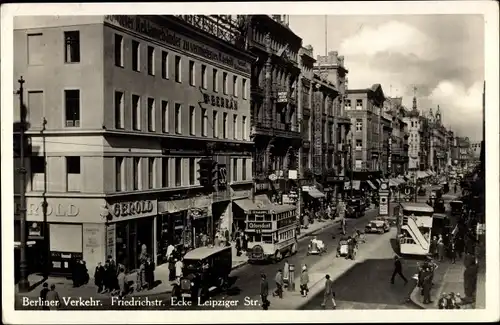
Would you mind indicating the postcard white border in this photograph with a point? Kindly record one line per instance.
(487, 8)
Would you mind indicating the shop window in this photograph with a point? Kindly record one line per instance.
(73, 174)
(72, 52)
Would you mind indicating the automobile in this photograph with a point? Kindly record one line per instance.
(355, 208)
(206, 269)
(377, 226)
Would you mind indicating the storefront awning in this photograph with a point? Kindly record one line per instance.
(421, 174)
(393, 182)
(315, 193)
(28, 243)
(356, 185)
(371, 184)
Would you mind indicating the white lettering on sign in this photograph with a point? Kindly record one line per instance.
(59, 210)
(124, 209)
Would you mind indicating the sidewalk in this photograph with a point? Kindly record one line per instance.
(65, 287)
(331, 265)
(449, 278)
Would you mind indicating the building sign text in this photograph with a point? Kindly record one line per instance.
(260, 225)
(220, 102)
(124, 209)
(164, 35)
(59, 210)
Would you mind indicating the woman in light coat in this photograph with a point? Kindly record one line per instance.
(304, 281)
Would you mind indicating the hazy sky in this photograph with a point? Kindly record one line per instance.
(441, 55)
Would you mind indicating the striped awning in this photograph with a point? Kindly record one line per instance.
(315, 193)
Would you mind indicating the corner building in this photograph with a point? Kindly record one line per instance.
(120, 110)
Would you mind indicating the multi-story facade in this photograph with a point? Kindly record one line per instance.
(331, 68)
(121, 109)
(274, 92)
(415, 139)
(449, 147)
(398, 146)
(464, 152)
(476, 150)
(364, 108)
(438, 149)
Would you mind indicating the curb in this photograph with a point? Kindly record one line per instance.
(414, 298)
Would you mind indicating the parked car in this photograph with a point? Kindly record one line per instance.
(206, 269)
(378, 226)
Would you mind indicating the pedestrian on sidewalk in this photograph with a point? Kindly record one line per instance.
(99, 277)
(43, 296)
(329, 294)
(53, 300)
(150, 273)
(108, 276)
(76, 275)
(304, 281)
(286, 273)
(433, 246)
(238, 245)
(264, 291)
(441, 248)
(398, 269)
(122, 283)
(427, 285)
(178, 269)
(453, 252)
(279, 284)
(245, 243)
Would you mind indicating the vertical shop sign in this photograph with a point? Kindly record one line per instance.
(111, 241)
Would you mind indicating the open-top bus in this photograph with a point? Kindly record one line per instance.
(271, 232)
(414, 227)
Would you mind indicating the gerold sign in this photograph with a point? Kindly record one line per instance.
(134, 209)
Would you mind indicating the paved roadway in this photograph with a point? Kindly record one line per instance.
(364, 286)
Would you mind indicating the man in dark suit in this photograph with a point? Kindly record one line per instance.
(264, 291)
(398, 269)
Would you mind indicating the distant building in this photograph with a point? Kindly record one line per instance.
(364, 108)
(476, 150)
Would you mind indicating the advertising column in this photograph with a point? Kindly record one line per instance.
(384, 199)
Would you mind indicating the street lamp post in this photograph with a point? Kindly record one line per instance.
(23, 265)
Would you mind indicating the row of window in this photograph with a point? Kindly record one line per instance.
(202, 118)
(359, 104)
(192, 66)
(166, 179)
(36, 43)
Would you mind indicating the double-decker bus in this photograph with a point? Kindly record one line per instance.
(271, 232)
(414, 228)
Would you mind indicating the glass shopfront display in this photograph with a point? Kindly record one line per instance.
(130, 236)
(169, 228)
